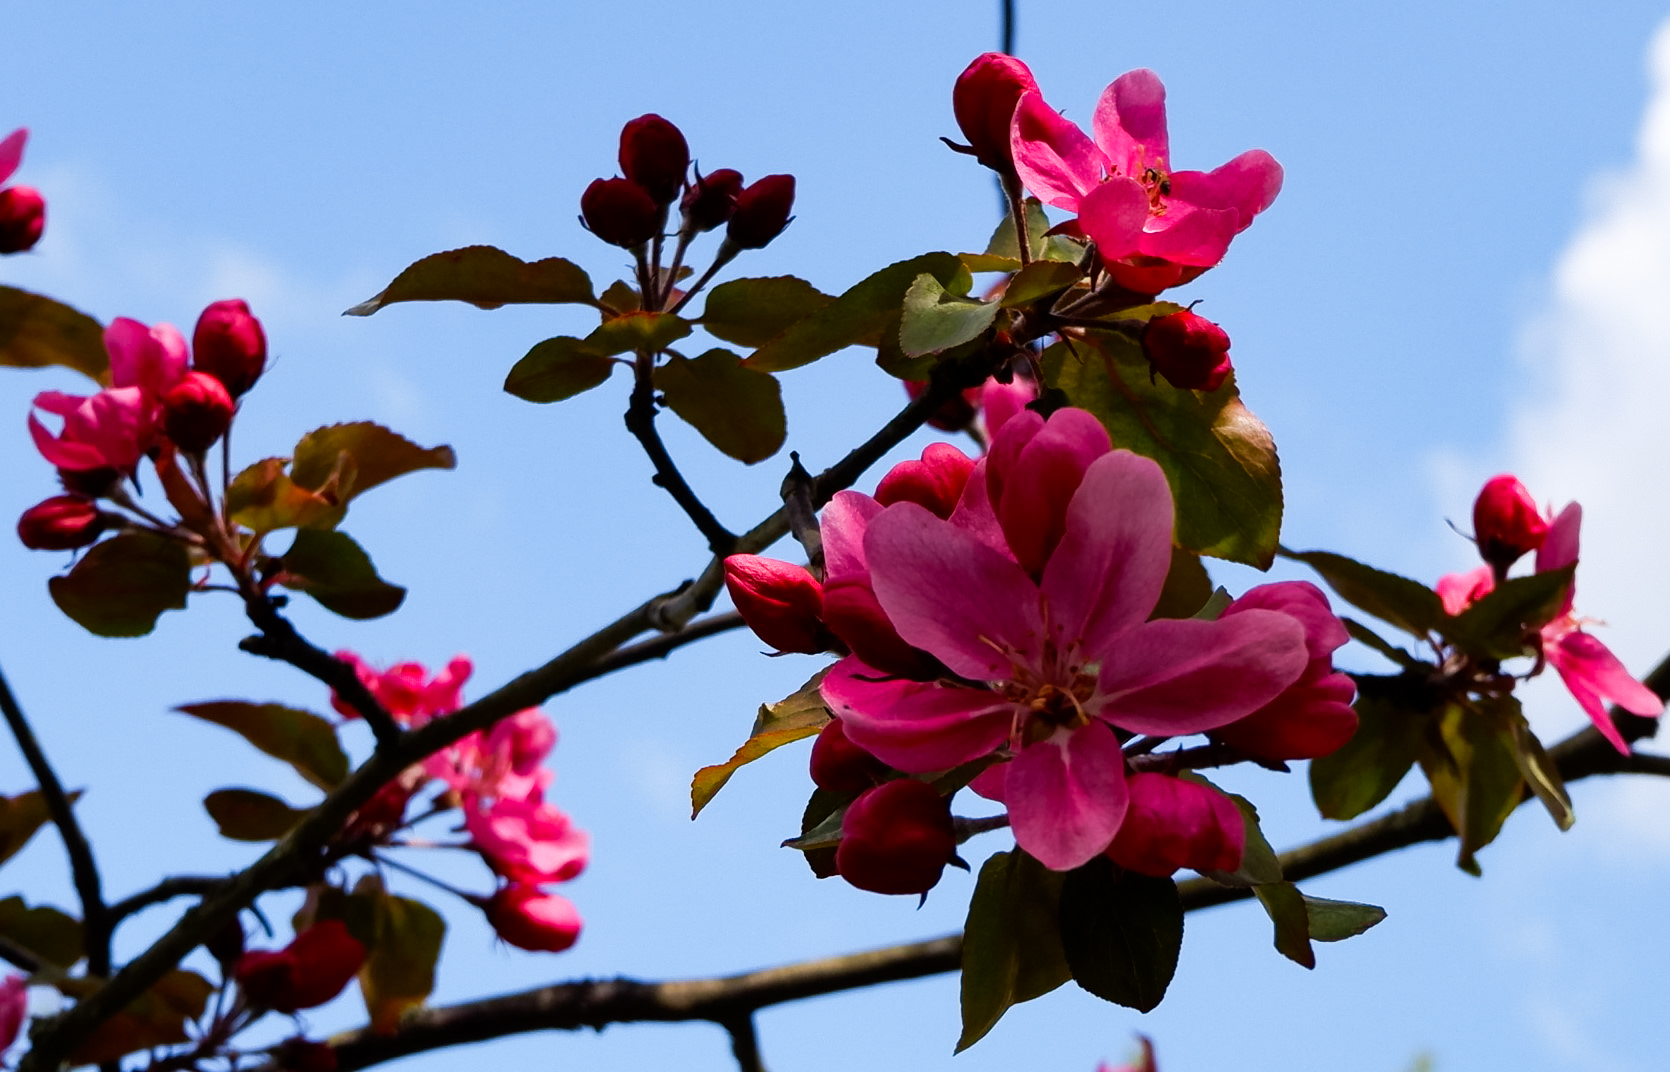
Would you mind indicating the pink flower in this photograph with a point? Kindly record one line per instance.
(1045, 669)
(935, 483)
(1154, 227)
(14, 989)
(527, 841)
(109, 430)
(535, 921)
(152, 359)
(505, 762)
(1172, 823)
(407, 691)
(1458, 591)
(22, 209)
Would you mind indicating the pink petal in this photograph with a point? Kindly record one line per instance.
(1458, 591)
(1106, 575)
(1053, 157)
(916, 726)
(150, 358)
(1248, 184)
(1189, 234)
(1005, 450)
(61, 454)
(1176, 677)
(951, 595)
(11, 152)
(974, 512)
(1594, 674)
(844, 520)
(1000, 401)
(1308, 604)
(1559, 546)
(1039, 484)
(1113, 216)
(1172, 823)
(1067, 796)
(1130, 123)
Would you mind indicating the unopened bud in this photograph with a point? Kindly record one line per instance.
(762, 211)
(896, 838)
(1506, 522)
(1171, 823)
(230, 345)
(955, 413)
(781, 602)
(1190, 351)
(840, 766)
(61, 523)
(196, 412)
(711, 201)
(935, 483)
(528, 919)
(22, 218)
(620, 212)
(654, 155)
(984, 101)
(308, 972)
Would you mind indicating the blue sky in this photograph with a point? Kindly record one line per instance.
(1465, 272)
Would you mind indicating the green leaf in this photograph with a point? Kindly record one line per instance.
(1407, 604)
(486, 278)
(797, 716)
(1011, 942)
(265, 499)
(1122, 933)
(1392, 716)
(1538, 768)
(1362, 634)
(1039, 280)
(20, 817)
(1218, 458)
(338, 574)
(1496, 626)
(1335, 921)
(1259, 863)
(752, 312)
(158, 1017)
(819, 808)
(50, 934)
(250, 815)
(121, 586)
(857, 316)
(399, 972)
(1286, 907)
(378, 456)
(300, 738)
(737, 409)
(621, 297)
(1475, 779)
(1188, 586)
(556, 369)
(36, 331)
(1004, 250)
(934, 321)
(634, 332)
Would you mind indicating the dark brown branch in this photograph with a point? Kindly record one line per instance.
(662, 646)
(19, 957)
(279, 640)
(166, 890)
(95, 919)
(745, 1044)
(640, 421)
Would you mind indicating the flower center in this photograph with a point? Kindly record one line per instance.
(1158, 185)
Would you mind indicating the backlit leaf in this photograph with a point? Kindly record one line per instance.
(265, 499)
(338, 574)
(1496, 626)
(45, 931)
(934, 321)
(632, 332)
(121, 586)
(737, 409)
(378, 454)
(250, 815)
(36, 331)
(1538, 768)
(485, 277)
(300, 738)
(1407, 604)
(1286, 907)
(1335, 921)
(1040, 279)
(157, 1017)
(20, 817)
(556, 369)
(752, 312)
(800, 715)
(399, 971)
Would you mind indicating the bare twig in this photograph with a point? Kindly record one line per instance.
(745, 1043)
(280, 641)
(166, 890)
(640, 421)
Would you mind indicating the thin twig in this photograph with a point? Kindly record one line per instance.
(95, 919)
(640, 421)
(662, 646)
(280, 641)
(166, 890)
(745, 1043)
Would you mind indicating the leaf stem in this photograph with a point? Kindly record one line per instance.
(640, 421)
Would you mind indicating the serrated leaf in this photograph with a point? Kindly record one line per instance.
(1122, 933)
(399, 971)
(1011, 942)
(157, 1017)
(1496, 626)
(485, 277)
(859, 315)
(21, 817)
(45, 931)
(1392, 716)
(379, 455)
(1286, 908)
(1218, 458)
(1039, 280)
(338, 574)
(738, 410)
(1407, 604)
(121, 586)
(558, 369)
(799, 715)
(300, 738)
(251, 815)
(264, 498)
(36, 332)
(933, 321)
(752, 312)
(635, 332)
(1335, 921)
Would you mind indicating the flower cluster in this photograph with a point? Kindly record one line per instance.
(22, 209)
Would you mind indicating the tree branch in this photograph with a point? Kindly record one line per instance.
(279, 640)
(640, 421)
(745, 1044)
(95, 920)
(166, 890)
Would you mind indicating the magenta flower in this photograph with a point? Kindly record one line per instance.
(109, 430)
(1154, 227)
(1044, 670)
(527, 841)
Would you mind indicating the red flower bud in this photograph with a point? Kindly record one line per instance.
(840, 766)
(781, 602)
(22, 218)
(936, 482)
(955, 413)
(896, 838)
(230, 345)
(304, 1055)
(308, 972)
(1171, 823)
(762, 211)
(1190, 351)
(654, 155)
(61, 523)
(528, 919)
(984, 100)
(1506, 522)
(711, 201)
(196, 412)
(619, 212)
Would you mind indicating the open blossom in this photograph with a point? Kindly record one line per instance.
(528, 841)
(1050, 653)
(1154, 227)
(407, 691)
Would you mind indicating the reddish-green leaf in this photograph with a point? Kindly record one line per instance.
(620, 297)
(1218, 458)
(44, 931)
(336, 571)
(556, 369)
(378, 455)
(399, 972)
(632, 332)
(752, 312)
(1286, 907)
(36, 331)
(795, 717)
(1496, 626)
(1392, 716)
(300, 738)
(250, 815)
(20, 817)
(933, 321)
(1122, 933)
(486, 278)
(121, 586)
(736, 408)
(265, 499)
(1012, 941)
(1407, 604)
(157, 1017)
(857, 316)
